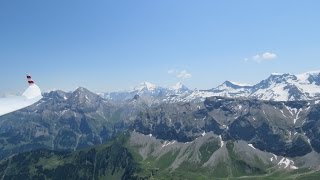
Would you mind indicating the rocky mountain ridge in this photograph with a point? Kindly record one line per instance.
(277, 87)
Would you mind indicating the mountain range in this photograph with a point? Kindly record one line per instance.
(153, 132)
(277, 87)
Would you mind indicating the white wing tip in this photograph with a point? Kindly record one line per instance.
(33, 91)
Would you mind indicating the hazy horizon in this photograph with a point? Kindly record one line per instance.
(110, 46)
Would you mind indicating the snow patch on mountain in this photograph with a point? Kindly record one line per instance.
(251, 146)
(221, 141)
(240, 84)
(168, 143)
(287, 163)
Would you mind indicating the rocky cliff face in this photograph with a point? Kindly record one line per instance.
(282, 128)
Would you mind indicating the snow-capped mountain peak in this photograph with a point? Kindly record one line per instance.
(309, 77)
(277, 87)
(276, 74)
(288, 87)
(145, 86)
(231, 89)
(233, 85)
(179, 88)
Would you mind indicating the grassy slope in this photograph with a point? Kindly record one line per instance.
(233, 168)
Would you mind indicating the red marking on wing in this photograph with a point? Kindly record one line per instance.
(30, 81)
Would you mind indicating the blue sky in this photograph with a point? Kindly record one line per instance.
(112, 45)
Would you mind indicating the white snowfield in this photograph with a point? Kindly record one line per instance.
(29, 97)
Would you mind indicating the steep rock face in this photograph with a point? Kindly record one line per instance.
(241, 128)
(84, 100)
(312, 127)
(267, 125)
(272, 126)
(182, 122)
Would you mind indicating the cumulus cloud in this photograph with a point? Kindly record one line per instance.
(267, 56)
(184, 74)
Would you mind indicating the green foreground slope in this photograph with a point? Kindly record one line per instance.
(119, 159)
(109, 161)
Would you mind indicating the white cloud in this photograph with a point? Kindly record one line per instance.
(267, 56)
(256, 57)
(184, 74)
